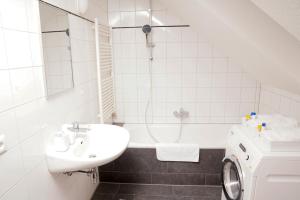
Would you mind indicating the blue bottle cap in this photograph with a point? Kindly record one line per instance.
(253, 113)
(264, 124)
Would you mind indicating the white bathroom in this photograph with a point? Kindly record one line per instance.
(149, 99)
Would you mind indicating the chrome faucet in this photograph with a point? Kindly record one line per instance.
(75, 126)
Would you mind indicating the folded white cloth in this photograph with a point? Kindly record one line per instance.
(177, 152)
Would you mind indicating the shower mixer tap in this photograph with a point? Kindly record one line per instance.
(181, 114)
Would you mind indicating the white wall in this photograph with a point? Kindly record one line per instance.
(284, 12)
(27, 117)
(188, 71)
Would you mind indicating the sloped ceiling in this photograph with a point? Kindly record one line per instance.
(248, 35)
(284, 12)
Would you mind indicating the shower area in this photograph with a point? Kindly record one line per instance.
(171, 84)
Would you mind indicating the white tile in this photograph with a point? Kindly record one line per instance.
(128, 66)
(285, 106)
(131, 109)
(116, 36)
(9, 128)
(218, 94)
(127, 5)
(142, 4)
(17, 48)
(36, 49)
(11, 169)
(127, 36)
(219, 79)
(248, 94)
(141, 52)
(5, 90)
(203, 109)
(19, 191)
(23, 85)
(189, 50)
(234, 79)
(39, 82)
(217, 109)
(232, 110)
(174, 50)
(248, 81)
(32, 151)
(129, 51)
(233, 94)
(29, 120)
(188, 35)
(127, 19)
(204, 50)
(189, 80)
(115, 19)
(142, 65)
(233, 67)
(159, 80)
(204, 80)
(130, 95)
(189, 94)
(220, 65)
(159, 35)
(159, 50)
(174, 94)
(159, 94)
(173, 34)
(189, 65)
(142, 18)
(159, 66)
(33, 16)
(204, 65)
(173, 80)
(3, 59)
(173, 66)
(246, 108)
(203, 94)
(14, 14)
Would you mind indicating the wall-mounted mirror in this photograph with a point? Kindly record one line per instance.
(57, 49)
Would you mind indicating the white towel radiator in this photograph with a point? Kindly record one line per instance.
(104, 72)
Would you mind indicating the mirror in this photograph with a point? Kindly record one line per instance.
(56, 49)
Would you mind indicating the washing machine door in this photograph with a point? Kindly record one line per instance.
(232, 179)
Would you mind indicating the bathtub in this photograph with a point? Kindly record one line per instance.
(208, 136)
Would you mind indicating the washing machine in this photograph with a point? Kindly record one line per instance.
(255, 169)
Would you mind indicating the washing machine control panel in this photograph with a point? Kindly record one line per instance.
(243, 148)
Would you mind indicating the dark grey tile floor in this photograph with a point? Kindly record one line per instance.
(116, 191)
(138, 175)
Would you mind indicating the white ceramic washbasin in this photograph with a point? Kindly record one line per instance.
(99, 146)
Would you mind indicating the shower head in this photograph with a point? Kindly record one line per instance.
(146, 29)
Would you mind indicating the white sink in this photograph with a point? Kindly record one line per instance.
(98, 146)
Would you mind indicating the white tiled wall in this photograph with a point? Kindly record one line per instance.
(187, 71)
(278, 101)
(27, 118)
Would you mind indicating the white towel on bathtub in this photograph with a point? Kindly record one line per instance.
(177, 152)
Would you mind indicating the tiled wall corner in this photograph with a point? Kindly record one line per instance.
(274, 100)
